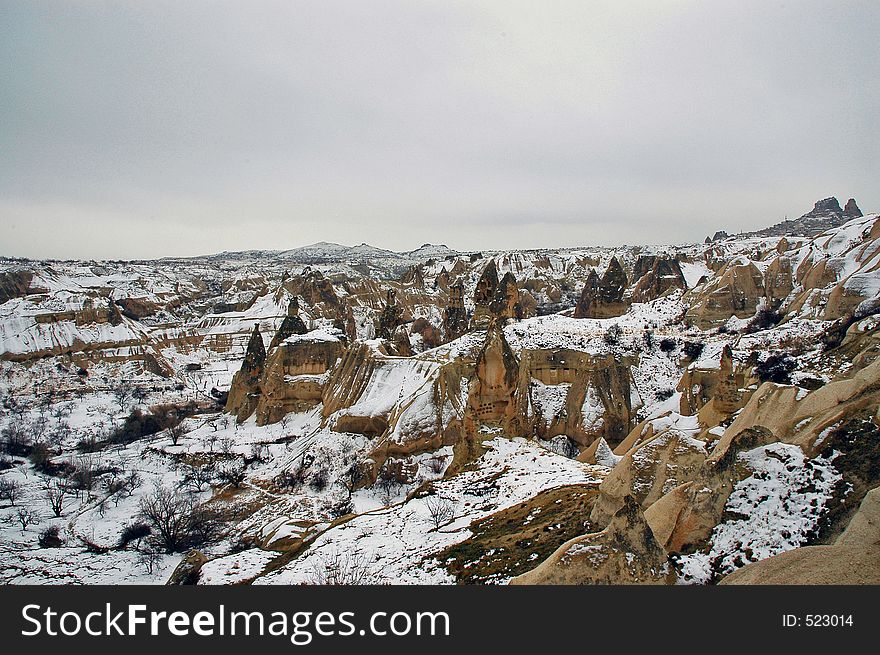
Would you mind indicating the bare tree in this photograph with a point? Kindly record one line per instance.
(335, 568)
(232, 473)
(169, 512)
(440, 510)
(16, 440)
(55, 494)
(176, 432)
(9, 490)
(197, 475)
(121, 394)
(25, 517)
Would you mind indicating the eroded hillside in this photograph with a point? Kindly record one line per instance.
(352, 415)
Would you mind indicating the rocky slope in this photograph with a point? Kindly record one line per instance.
(684, 414)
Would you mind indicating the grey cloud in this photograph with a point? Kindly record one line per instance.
(207, 126)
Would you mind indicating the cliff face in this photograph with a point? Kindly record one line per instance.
(604, 298)
(245, 389)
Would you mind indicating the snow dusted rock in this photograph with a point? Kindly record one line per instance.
(774, 509)
(715, 392)
(735, 291)
(662, 275)
(802, 418)
(187, 572)
(604, 298)
(245, 390)
(295, 375)
(699, 504)
(625, 552)
(648, 472)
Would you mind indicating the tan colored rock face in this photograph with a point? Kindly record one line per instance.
(687, 514)
(495, 299)
(604, 298)
(654, 468)
(625, 552)
(598, 398)
(493, 396)
(735, 292)
(661, 276)
(455, 321)
(778, 281)
(294, 378)
(724, 388)
(245, 389)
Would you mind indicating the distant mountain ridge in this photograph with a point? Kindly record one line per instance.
(328, 252)
(826, 213)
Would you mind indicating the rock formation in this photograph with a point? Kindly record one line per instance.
(737, 290)
(455, 320)
(390, 317)
(604, 299)
(851, 209)
(244, 391)
(292, 324)
(493, 394)
(854, 558)
(495, 299)
(656, 276)
(625, 552)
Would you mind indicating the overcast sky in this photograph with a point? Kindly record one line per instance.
(146, 129)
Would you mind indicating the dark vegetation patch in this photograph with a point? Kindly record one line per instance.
(139, 424)
(764, 319)
(517, 539)
(857, 442)
(777, 368)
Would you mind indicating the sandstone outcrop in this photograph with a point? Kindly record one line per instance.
(244, 391)
(656, 276)
(654, 468)
(737, 291)
(492, 395)
(851, 209)
(686, 515)
(292, 324)
(604, 298)
(295, 374)
(577, 394)
(495, 299)
(625, 552)
(455, 319)
(715, 393)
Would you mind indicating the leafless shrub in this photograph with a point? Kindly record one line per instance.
(51, 537)
(437, 464)
(135, 531)
(16, 441)
(26, 517)
(9, 490)
(56, 492)
(149, 559)
(336, 569)
(93, 546)
(232, 473)
(440, 510)
(197, 475)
